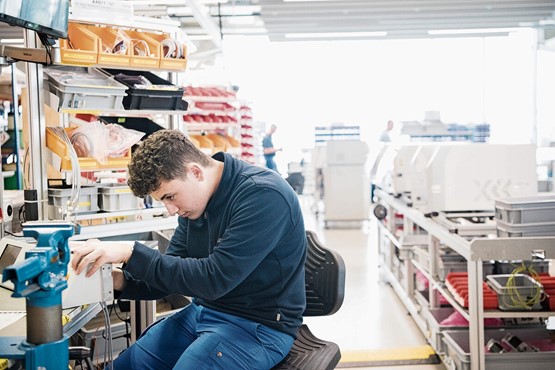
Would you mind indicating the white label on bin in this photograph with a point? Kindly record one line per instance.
(97, 10)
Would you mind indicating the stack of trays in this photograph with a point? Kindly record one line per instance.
(83, 88)
(526, 216)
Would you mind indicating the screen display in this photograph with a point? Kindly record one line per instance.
(44, 16)
(9, 255)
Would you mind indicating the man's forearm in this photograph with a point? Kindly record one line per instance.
(118, 280)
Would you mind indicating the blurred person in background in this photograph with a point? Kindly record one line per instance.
(269, 150)
(384, 136)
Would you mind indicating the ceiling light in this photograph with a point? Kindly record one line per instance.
(335, 35)
(470, 31)
(11, 41)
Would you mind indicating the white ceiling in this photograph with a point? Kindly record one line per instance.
(282, 20)
(400, 18)
(206, 22)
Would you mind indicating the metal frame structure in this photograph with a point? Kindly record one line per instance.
(474, 251)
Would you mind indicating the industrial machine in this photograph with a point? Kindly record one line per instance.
(472, 176)
(40, 278)
(454, 177)
(346, 181)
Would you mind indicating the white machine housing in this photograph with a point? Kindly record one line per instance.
(470, 177)
(346, 181)
(392, 168)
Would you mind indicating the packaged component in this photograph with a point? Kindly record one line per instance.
(141, 124)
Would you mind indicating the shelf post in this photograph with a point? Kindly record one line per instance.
(433, 252)
(36, 128)
(476, 313)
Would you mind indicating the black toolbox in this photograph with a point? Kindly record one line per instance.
(145, 90)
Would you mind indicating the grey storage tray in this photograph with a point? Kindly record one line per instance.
(117, 198)
(434, 316)
(522, 230)
(524, 210)
(507, 267)
(84, 88)
(58, 197)
(524, 286)
(458, 350)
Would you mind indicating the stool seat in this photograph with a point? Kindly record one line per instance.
(310, 353)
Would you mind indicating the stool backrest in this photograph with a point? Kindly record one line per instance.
(324, 278)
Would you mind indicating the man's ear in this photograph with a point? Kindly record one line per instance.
(196, 171)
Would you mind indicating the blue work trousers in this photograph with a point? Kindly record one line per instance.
(201, 338)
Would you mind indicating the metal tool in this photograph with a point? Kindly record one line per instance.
(40, 278)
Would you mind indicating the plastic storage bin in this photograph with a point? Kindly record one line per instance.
(145, 51)
(522, 230)
(118, 198)
(507, 267)
(168, 63)
(113, 50)
(59, 193)
(434, 317)
(145, 90)
(81, 46)
(205, 145)
(524, 210)
(521, 286)
(84, 88)
(458, 350)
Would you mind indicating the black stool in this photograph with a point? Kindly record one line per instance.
(325, 289)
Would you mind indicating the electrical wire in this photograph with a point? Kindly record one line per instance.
(108, 347)
(517, 299)
(73, 201)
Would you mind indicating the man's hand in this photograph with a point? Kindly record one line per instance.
(92, 254)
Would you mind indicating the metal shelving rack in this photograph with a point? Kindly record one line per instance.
(474, 251)
(36, 128)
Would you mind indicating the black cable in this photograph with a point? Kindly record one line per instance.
(126, 321)
(12, 234)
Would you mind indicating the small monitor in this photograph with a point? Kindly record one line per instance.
(48, 17)
(9, 256)
(12, 251)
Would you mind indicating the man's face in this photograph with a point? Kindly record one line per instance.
(186, 198)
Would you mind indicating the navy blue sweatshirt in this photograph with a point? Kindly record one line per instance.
(245, 256)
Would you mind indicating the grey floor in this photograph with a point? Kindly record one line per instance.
(371, 317)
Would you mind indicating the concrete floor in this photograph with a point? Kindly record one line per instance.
(372, 316)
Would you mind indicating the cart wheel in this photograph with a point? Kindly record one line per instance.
(380, 211)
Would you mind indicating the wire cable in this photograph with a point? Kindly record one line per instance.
(108, 347)
(533, 296)
(73, 201)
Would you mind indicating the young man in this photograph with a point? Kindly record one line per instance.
(239, 251)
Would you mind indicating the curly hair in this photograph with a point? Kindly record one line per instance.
(162, 157)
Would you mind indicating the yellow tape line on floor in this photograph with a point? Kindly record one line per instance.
(388, 354)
